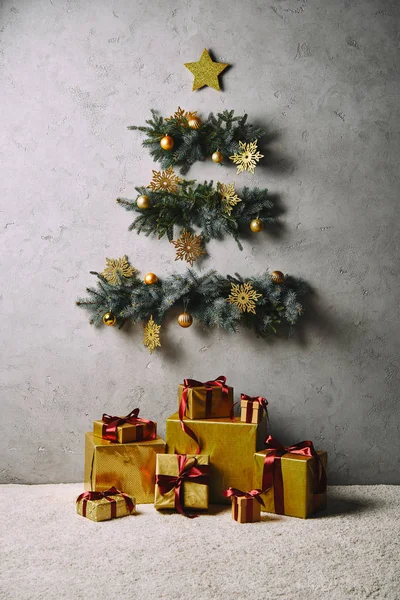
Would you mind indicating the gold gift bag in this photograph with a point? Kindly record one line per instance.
(209, 400)
(173, 470)
(295, 493)
(129, 467)
(230, 445)
(102, 506)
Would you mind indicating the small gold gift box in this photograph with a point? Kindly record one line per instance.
(206, 401)
(128, 467)
(245, 510)
(103, 506)
(177, 470)
(128, 432)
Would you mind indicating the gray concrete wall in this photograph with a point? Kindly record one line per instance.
(322, 75)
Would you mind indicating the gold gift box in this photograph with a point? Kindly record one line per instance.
(230, 445)
(257, 411)
(196, 408)
(195, 495)
(100, 510)
(298, 474)
(245, 510)
(131, 468)
(128, 432)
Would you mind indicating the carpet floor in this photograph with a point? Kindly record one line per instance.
(350, 552)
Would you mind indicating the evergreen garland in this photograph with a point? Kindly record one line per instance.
(199, 206)
(206, 297)
(222, 132)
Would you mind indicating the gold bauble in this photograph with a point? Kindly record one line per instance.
(109, 319)
(217, 157)
(150, 278)
(185, 319)
(256, 225)
(194, 122)
(167, 142)
(143, 202)
(277, 277)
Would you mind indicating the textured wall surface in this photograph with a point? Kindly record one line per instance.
(322, 75)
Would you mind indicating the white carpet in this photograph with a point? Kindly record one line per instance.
(350, 552)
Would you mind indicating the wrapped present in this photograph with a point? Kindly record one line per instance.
(128, 467)
(182, 482)
(209, 400)
(124, 430)
(252, 408)
(293, 478)
(102, 506)
(246, 506)
(230, 445)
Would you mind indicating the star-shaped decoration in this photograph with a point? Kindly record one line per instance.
(247, 158)
(228, 196)
(188, 247)
(166, 181)
(206, 71)
(118, 269)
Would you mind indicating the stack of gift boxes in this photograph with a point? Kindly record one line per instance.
(209, 456)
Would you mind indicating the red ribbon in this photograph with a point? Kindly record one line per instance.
(111, 424)
(189, 470)
(263, 402)
(249, 507)
(191, 383)
(272, 474)
(86, 496)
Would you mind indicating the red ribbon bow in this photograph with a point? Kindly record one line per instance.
(111, 424)
(189, 470)
(263, 402)
(191, 383)
(86, 496)
(272, 474)
(238, 493)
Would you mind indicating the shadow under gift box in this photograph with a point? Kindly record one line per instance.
(298, 475)
(129, 467)
(230, 444)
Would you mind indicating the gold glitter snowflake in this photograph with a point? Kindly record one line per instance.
(164, 180)
(151, 336)
(117, 269)
(244, 296)
(247, 159)
(182, 117)
(188, 247)
(228, 196)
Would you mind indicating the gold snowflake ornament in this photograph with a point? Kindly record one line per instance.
(244, 296)
(228, 196)
(164, 180)
(188, 247)
(151, 336)
(182, 117)
(247, 158)
(118, 269)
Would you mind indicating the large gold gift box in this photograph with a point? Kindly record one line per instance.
(129, 432)
(195, 495)
(197, 407)
(230, 445)
(100, 510)
(129, 467)
(298, 474)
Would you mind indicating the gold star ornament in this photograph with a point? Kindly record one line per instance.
(188, 247)
(165, 181)
(244, 296)
(151, 335)
(229, 196)
(206, 72)
(247, 158)
(118, 269)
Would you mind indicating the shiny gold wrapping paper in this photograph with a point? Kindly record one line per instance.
(195, 495)
(127, 432)
(241, 504)
(230, 445)
(256, 413)
(100, 510)
(221, 404)
(298, 473)
(130, 468)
